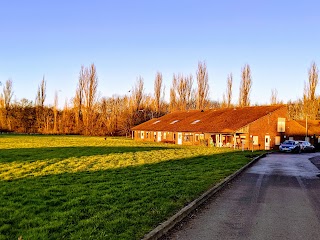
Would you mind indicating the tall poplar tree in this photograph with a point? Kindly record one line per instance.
(203, 86)
(245, 87)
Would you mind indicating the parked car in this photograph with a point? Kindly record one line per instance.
(306, 146)
(290, 146)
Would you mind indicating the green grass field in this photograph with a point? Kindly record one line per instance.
(74, 187)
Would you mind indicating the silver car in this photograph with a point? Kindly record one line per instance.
(306, 146)
(290, 146)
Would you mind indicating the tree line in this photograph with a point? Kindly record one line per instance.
(89, 114)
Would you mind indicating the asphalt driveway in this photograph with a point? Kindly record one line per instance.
(277, 198)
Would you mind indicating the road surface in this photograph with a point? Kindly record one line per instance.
(276, 198)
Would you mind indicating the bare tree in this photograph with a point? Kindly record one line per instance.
(55, 112)
(137, 98)
(85, 100)
(104, 118)
(187, 84)
(227, 96)
(310, 102)
(158, 90)
(229, 90)
(224, 101)
(90, 97)
(203, 86)
(126, 120)
(274, 97)
(40, 99)
(115, 108)
(313, 82)
(23, 116)
(78, 101)
(245, 87)
(41, 94)
(182, 86)
(137, 94)
(66, 119)
(7, 98)
(193, 100)
(2, 112)
(173, 100)
(7, 93)
(91, 87)
(295, 110)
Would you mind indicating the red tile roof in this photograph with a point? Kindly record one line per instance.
(227, 120)
(313, 126)
(293, 128)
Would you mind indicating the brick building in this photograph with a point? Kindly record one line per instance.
(258, 127)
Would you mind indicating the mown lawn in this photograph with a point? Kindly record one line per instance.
(73, 187)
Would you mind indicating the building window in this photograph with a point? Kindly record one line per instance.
(197, 137)
(281, 127)
(188, 137)
(255, 140)
(201, 136)
(142, 135)
(277, 140)
(164, 135)
(154, 135)
(243, 139)
(174, 136)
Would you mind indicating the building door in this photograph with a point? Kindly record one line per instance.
(179, 138)
(267, 142)
(159, 136)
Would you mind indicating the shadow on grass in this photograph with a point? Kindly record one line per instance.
(34, 154)
(123, 203)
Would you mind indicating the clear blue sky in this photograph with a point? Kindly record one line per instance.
(125, 39)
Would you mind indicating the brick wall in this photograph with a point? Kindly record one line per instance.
(267, 126)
